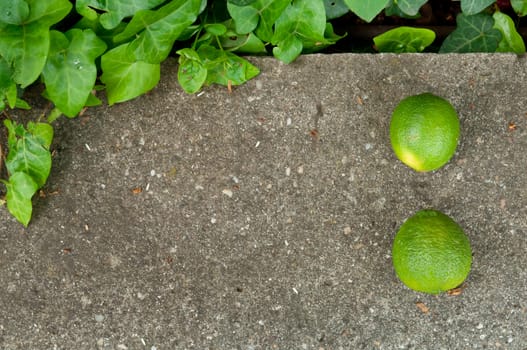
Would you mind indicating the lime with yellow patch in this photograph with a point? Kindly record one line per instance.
(424, 131)
(431, 253)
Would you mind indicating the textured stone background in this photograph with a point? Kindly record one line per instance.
(221, 221)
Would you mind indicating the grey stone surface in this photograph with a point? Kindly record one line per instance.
(219, 221)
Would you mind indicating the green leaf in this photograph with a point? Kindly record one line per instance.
(404, 39)
(70, 71)
(191, 71)
(225, 67)
(511, 40)
(245, 43)
(20, 190)
(393, 10)
(474, 33)
(216, 29)
(289, 49)
(25, 47)
(335, 8)
(54, 115)
(269, 11)
(29, 152)
(471, 7)
(114, 11)
(241, 2)
(43, 132)
(47, 12)
(301, 23)
(125, 77)
(245, 17)
(12, 133)
(520, 7)
(11, 96)
(7, 85)
(312, 45)
(13, 11)
(106, 35)
(410, 7)
(21, 104)
(156, 31)
(92, 101)
(367, 9)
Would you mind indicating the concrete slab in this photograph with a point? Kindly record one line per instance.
(224, 221)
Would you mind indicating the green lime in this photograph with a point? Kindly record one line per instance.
(431, 253)
(424, 131)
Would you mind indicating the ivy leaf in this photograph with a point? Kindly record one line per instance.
(70, 71)
(25, 47)
(20, 190)
(289, 49)
(511, 40)
(125, 77)
(47, 12)
(471, 7)
(7, 85)
(474, 33)
(259, 16)
(28, 152)
(393, 10)
(520, 7)
(410, 7)
(241, 2)
(225, 67)
(367, 9)
(245, 43)
(14, 11)
(302, 21)
(335, 8)
(191, 72)
(43, 132)
(113, 11)
(270, 11)
(245, 17)
(106, 35)
(404, 39)
(156, 31)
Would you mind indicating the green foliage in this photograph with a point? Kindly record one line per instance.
(113, 11)
(24, 36)
(404, 39)
(511, 41)
(471, 7)
(301, 26)
(70, 70)
(474, 33)
(520, 6)
(367, 9)
(28, 164)
(410, 7)
(126, 77)
(119, 45)
(335, 8)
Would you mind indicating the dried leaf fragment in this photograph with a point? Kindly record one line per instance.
(137, 190)
(314, 134)
(421, 306)
(456, 291)
(360, 101)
